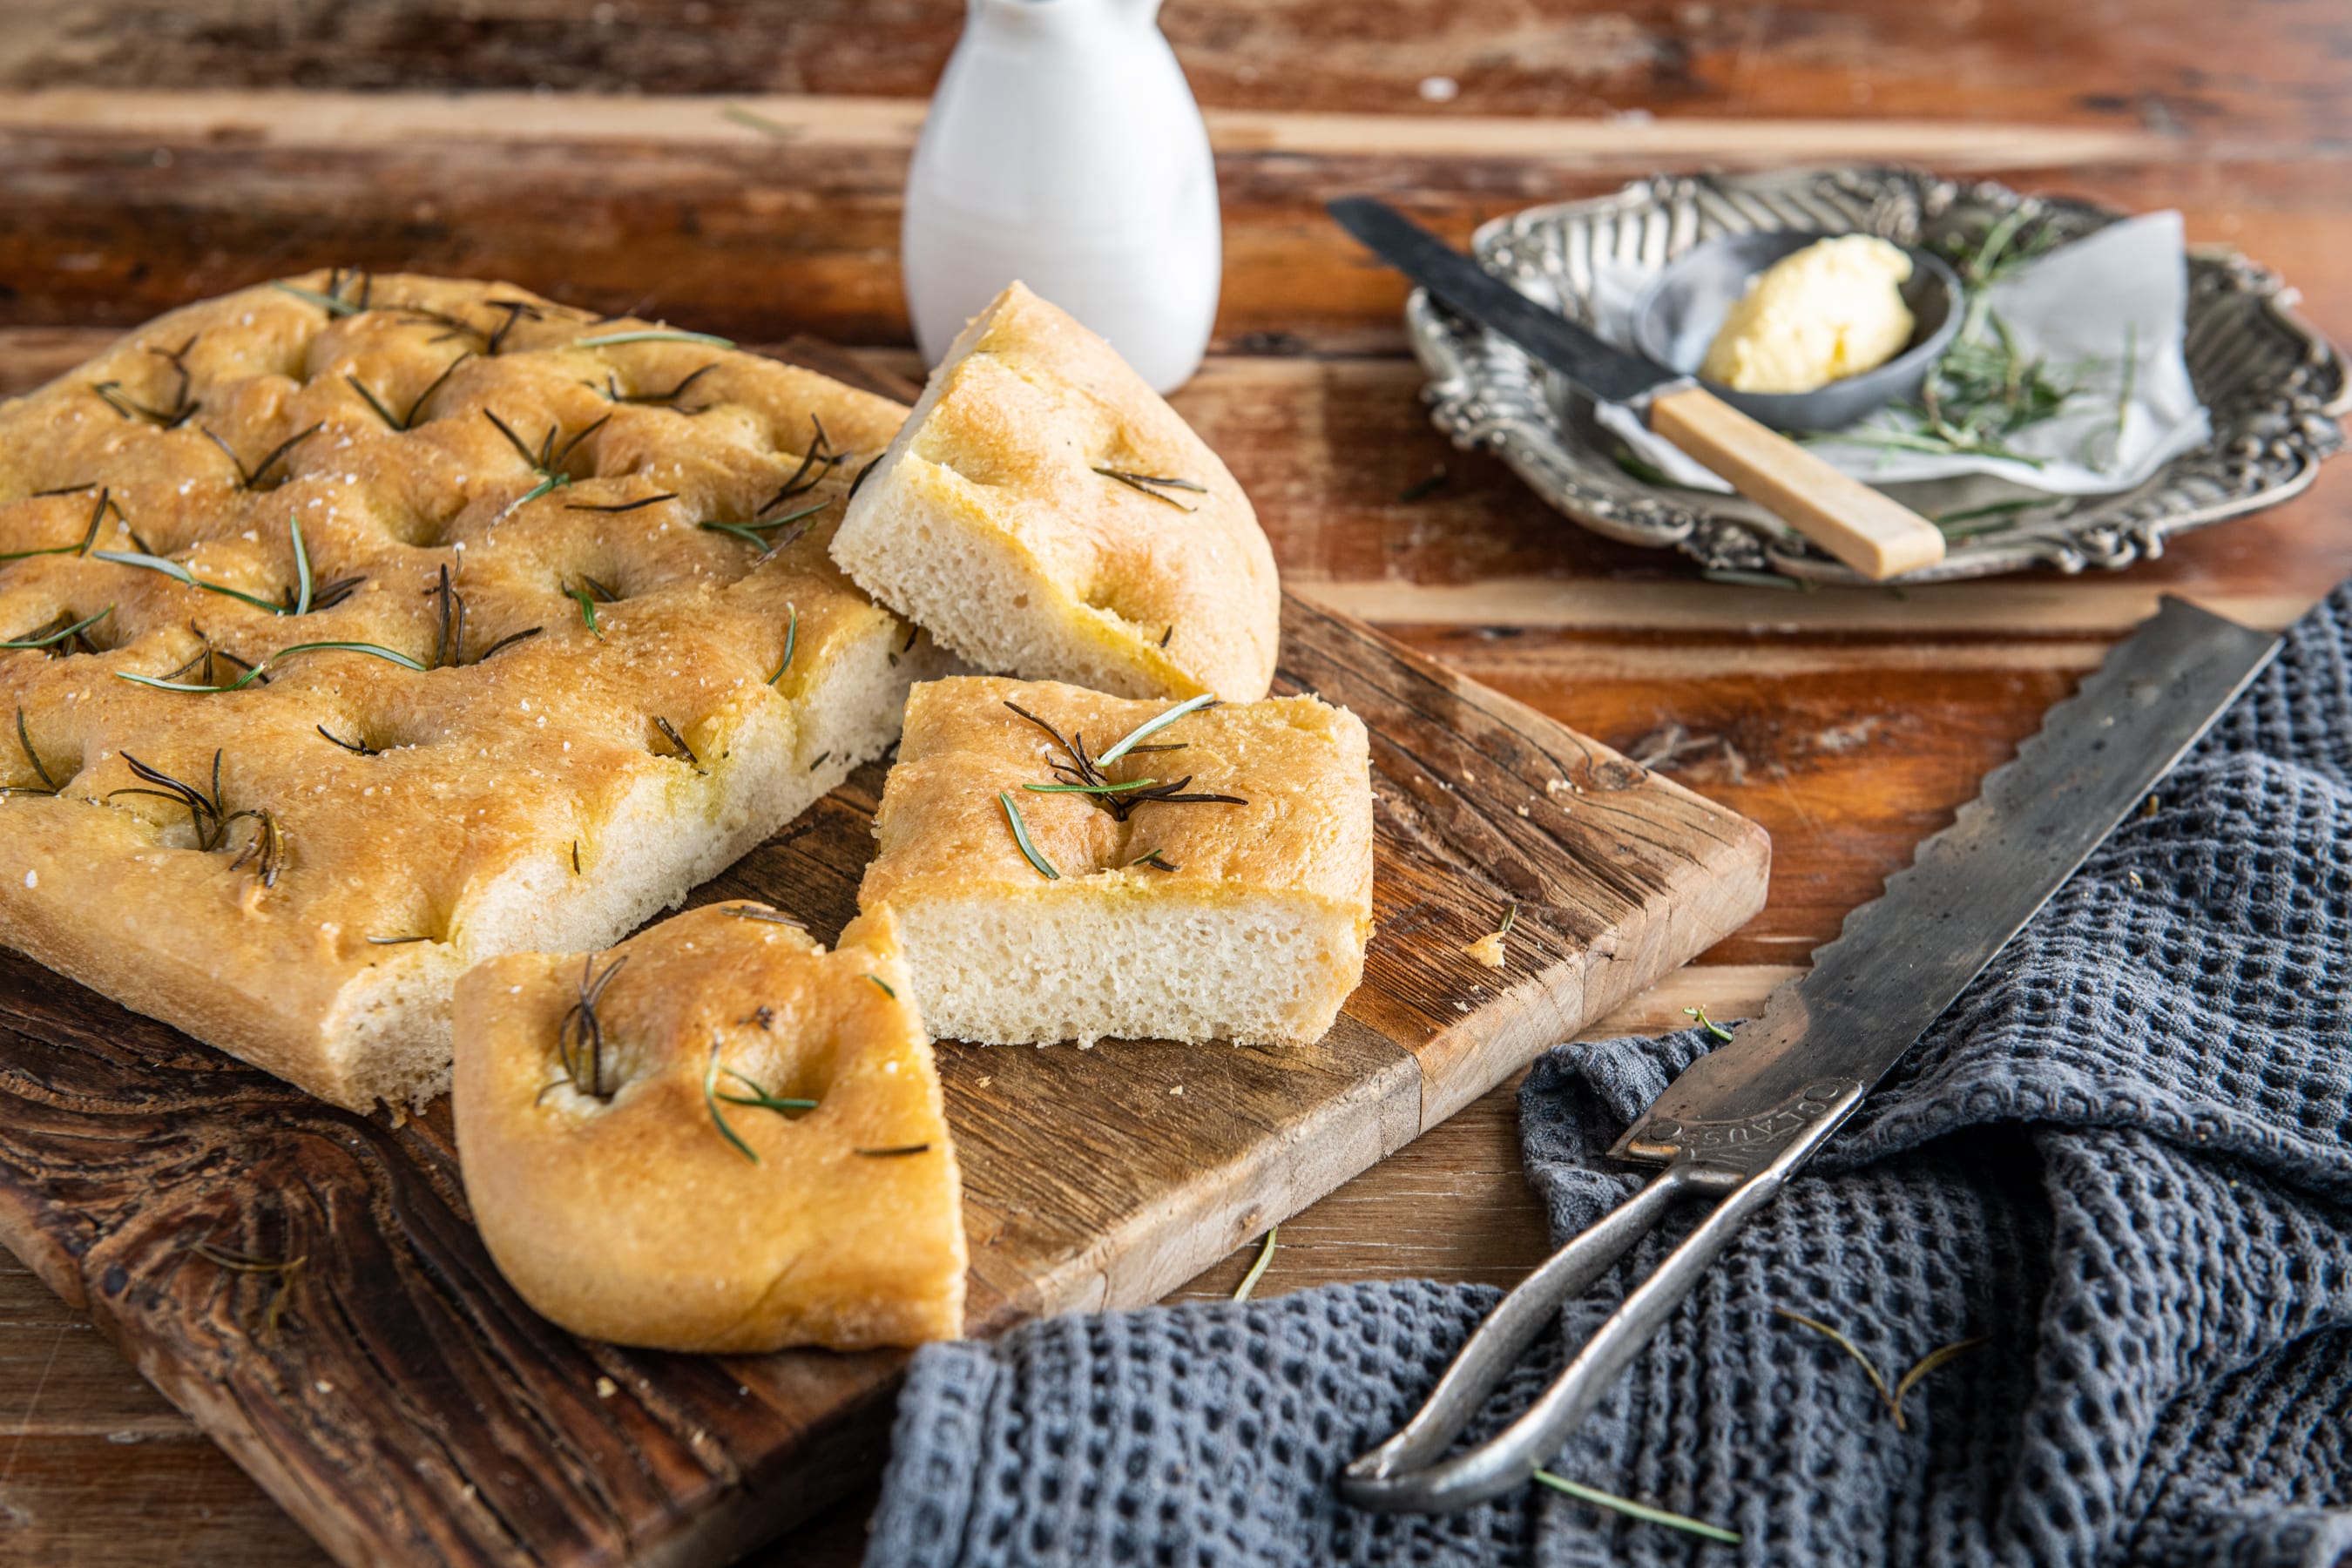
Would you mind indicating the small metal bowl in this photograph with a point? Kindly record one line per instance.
(1683, 309)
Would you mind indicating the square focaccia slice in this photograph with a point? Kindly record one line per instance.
(717, 1136)
(1046, 513)
(1211, 880)
(358, 629)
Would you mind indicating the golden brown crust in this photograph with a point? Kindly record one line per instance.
(633, 1215)
(1128, 585)
(486, 777)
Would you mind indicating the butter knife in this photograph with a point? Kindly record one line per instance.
(1737, 1121)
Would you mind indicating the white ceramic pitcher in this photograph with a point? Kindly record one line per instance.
(1064, 149)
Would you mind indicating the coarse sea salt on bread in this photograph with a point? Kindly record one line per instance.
(1046, 513)
(640, 1166)
(362, 830)
(1187, 921)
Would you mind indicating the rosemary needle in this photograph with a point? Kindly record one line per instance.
(660, 335)
(885, 985)
(1709, 1025)
(1043, 867)
(792, 636)
(59, 637)
(1091, 789)
(1633, 1509)
(1257, 1269)
(1151, 727)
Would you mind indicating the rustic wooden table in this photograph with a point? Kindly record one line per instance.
(153, 154)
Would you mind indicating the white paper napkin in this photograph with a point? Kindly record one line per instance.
(2106, 312)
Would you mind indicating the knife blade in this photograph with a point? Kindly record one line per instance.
(1609, 372)
(1870, 532)
(1738, 1120)
(1906, 956)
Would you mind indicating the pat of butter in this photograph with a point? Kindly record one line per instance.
(1833, 310)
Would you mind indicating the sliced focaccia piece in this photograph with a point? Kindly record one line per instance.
(717, 1136)
(1044, 512)
(1211, 880)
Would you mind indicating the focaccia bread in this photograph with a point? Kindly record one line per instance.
(597, 664)
(645, 1165)
(1238, 909)
(1045, 513)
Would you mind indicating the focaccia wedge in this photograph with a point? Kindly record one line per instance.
(717, 1136)
(1046, 514)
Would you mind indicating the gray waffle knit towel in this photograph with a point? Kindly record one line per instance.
(2123, 1156)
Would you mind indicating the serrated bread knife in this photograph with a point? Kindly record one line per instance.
(1739, 1119)
(1869, 531)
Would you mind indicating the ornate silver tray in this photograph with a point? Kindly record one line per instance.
(2272, 386)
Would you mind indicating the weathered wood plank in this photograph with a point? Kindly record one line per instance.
(693, 216)
(2168, 65)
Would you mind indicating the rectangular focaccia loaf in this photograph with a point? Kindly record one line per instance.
(601, 654)
(1242, 917)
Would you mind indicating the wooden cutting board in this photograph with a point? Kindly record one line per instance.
(405, 1406)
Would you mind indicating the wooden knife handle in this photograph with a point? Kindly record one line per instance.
(1877, 536)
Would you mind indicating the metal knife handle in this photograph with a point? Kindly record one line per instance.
(1870, 531)
(1404, 1474)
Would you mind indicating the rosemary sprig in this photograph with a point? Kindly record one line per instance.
(516, 310)
(173, 414)
(1257, 1269)
(759, 1099)
(621, 506)
(256, 672)
(579, 1037)
(766, 916)
(209, 816)
(862, 472)
(1153, 485)
(508, 641)
(1639, 1511)
(654, 335)
(24, 739)
(1709, 1025)
(750, 533)
(408, 421)
(1087, 771)
(52, 639)
(1940, 1356)
(327, 302)
(548, 461)
(250, 479)
(819, 461)
(586, 599)
(181, 573)
(612, 393)
(1151, 727)
(1090, 789)
(90, 535)
(792, 636)
(287, 1271)
(669, 733)
(1038, 862)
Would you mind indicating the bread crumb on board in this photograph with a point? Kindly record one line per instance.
(1487, 950)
